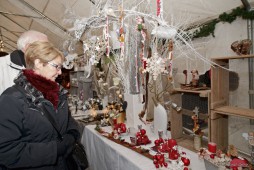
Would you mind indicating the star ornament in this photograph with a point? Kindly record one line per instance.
(155, 65)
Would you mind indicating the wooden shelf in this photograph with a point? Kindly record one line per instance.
(235, 111)
(202, 93)
(232, 57)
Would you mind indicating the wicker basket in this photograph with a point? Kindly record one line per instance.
(210, 166)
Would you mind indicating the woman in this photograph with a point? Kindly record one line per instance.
(28, 140)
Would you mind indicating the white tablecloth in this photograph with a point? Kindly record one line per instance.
(104, 154)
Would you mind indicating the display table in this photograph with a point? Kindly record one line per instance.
(104, 154)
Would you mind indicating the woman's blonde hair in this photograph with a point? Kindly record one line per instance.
(44, 51)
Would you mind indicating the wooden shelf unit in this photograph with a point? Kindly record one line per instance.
(220, 109)
(177, 124)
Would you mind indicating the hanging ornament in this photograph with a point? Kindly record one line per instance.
(158, 7)
(164, 32)
(107, 37)
(170, 56)
(155, 65)
(159, 10)
(69, 61)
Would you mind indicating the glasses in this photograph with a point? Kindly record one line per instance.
(58, 67)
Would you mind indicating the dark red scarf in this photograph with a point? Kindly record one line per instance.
(48, 88)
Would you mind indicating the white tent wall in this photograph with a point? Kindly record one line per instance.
(209, 47)
(200, 10)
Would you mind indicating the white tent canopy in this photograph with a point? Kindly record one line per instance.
(48, 16)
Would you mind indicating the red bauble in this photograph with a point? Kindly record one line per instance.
(155, 161)
(158, 157)
(156, 142)
(186, 161)
(171, 143)
(173, 154)
(123, 128)
(142, 131)
(139, 140)
(138, 134)
(212, 156)
(145, 139)
(161, 140)
(176, 156)
(185, 168)
(166, 164)
(157, 165)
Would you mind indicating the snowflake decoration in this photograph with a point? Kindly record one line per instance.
(155, 65)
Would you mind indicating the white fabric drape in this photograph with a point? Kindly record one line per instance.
(107, 155)
(7, 74)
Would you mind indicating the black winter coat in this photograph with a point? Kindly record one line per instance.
(28, 141)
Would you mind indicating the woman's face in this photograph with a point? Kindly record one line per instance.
(51, 69)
